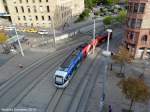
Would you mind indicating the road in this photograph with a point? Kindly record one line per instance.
(10, 90)
(34, 88)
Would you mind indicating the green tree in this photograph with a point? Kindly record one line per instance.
(107, 20)
(84, 14)
(112, 2)
(122, 56)
(109, 2)
(135, 90)
(88, 4)
(91, 3)
(126, 1)
(122, 16)
(116, 1)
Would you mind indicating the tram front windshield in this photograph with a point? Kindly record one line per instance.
(59, 80)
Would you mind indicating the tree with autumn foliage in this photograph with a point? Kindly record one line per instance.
(122, 56)
(135, 90)
(3, 37)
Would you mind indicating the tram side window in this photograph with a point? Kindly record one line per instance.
(67, 77)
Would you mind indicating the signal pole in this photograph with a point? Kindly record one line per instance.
(94, 37)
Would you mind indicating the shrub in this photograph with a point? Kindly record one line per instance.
(107, 20)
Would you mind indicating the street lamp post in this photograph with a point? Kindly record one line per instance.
(54, 33)
(21, 50)
(94, 37)
(11, 28)
(107, 52)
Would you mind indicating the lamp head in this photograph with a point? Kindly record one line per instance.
(109, 30)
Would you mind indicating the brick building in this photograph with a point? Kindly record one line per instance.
(137, 38)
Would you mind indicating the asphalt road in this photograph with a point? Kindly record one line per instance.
(34, 88)
(22, 83)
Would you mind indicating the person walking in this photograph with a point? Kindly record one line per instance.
(110, 109)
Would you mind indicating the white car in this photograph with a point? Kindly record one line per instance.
(13, 51)
(42, 32)
(1, 27)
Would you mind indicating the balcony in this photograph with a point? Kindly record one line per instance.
(130, 42)
(135, 15)
(132, 29)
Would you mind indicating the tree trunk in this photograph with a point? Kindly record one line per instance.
(121, 68)
(131, 104)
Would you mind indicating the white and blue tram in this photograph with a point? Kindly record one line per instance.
(66, 70)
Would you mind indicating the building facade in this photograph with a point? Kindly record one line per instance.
(137, 38)
(41, 13)
(3, 7)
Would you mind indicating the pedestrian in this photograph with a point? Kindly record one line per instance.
(14, 46)
(111, 67)
(110, 109)
(20, 65)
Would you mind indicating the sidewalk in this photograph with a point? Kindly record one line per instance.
(9, 62)
(10, 67)
(115, 98)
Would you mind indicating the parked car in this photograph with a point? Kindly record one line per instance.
(31, 30)
(42, 32)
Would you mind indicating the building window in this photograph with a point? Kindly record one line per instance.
(40, 0)
(25, 24)
(136, 6)
(27, 1)
(41, 8)
(133, 23)
(34, 8)
(24, 18)
(49, 17)
(13, 1)
(132, 36)
(142, 7)
(33, 1)
(20, 1)
(29, 10)
(48, 9)
(130, 7)
(30, 18)
(46, 0)
(31, 24)
(22, 9)
(138, 23)
(16, 9)
(43, 18)
(18, 18)
(144, 40)
(36, 17)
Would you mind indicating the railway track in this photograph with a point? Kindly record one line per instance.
(54, 65)
(19, 84)
(86, 83)
(68, 44)
(56, 103)
(78, 100)
(86, 101)
(9, 91)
